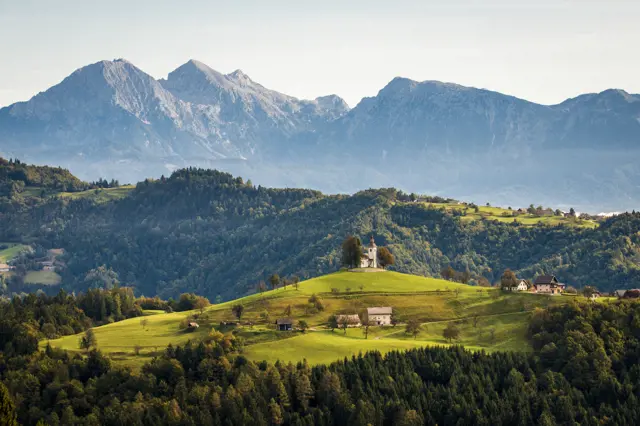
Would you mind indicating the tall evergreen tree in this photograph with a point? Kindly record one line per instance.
(7, 408)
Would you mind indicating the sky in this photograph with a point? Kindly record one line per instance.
(541, 50)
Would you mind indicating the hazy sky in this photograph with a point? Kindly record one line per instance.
(541, 50)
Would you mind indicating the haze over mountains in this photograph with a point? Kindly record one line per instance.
(111, 119)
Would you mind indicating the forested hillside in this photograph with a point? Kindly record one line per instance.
(25, 183)
(211, 233)
(584, 370)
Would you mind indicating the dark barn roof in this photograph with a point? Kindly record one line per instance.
(546, 279)
(284, 321)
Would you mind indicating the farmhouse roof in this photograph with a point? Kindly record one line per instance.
(4, 266)
(351, 319)
(546, 279)
(380, 310)
(193, 324)
(284, 321)
(619, 293)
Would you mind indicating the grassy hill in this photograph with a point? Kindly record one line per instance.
(488, 319)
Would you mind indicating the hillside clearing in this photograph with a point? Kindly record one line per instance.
(13, 250)
(42, 277)
(101, 195)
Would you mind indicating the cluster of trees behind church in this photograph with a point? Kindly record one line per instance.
(584, 369)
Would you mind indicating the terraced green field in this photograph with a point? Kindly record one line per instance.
(506, 215)
(488, 319)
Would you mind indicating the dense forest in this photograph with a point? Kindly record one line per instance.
(211, 233)
(25, 183)
(584, 370)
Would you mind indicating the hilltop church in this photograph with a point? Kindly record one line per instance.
(369, 258)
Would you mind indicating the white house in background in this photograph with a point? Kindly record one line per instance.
(379, 315)
(369, 258)
(522, 286)
(4, 267)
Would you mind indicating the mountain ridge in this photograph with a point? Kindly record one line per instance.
(112, 119)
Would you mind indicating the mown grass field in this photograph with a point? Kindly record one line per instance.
(506, 215)
(100, 195)
(11, 252)
(506, 332)
(42, 277)
(488, 320)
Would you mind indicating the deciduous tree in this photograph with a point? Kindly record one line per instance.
(413, 328)
(508, 280)
(332, 322)
(451, 332)
(385, 257)
(351, 252)
(302, 325)
(237, 310)
(88, 340)
(274, 280)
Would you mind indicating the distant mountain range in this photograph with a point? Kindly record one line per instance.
(110, 119)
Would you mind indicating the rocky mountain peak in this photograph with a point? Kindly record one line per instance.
(332, 102)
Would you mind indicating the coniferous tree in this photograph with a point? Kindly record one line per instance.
(7, 408)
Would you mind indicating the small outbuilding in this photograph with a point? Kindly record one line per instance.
(284, 324)
(193, 325)
(350, 320)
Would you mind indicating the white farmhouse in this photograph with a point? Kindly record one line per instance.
(369, 258)
(379, 315)
(522, 286)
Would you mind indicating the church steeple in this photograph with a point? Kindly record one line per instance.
(372, 243)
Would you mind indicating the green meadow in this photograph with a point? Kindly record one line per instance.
(487, 319)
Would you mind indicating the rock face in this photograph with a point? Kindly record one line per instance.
(110, 119)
